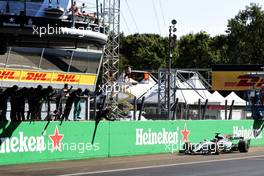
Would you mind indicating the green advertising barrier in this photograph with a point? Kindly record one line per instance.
(30, 142)
(42, 141)
(149, 137)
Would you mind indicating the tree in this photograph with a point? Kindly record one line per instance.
(143, 51)
(245, 36)
(149, 51)
(194, 51)
(243, 44)
(219, 46)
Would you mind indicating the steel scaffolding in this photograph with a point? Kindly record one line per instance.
(169, 88)
(110, 64)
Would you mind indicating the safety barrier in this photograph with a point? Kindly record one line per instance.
(29, 142)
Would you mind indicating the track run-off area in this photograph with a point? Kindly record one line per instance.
(240, 164)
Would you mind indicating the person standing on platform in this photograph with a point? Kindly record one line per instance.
(77, 106)
(21, 102)
(77, 103)
(38, 99)
(13, 102)
(74, 8)
(75, 95)
(1, 105)
(30, 99)
(60, 96)
(48, 95)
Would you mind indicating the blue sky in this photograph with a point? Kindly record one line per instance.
(154, 16)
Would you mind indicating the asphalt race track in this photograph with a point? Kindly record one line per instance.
(235, 164)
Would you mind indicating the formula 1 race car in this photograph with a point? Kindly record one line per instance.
(220, 144)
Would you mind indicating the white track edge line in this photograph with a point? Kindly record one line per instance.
(159, 166)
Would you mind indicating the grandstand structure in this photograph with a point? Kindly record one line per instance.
(43, 38)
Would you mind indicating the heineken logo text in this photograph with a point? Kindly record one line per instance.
(150, 137)
(22, 143)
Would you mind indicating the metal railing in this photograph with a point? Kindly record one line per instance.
(49, 113)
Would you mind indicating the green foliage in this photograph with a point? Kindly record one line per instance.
(243, 44)
(245, 36)
(194, 51)
(144, 51)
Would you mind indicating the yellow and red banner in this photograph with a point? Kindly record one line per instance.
(237, 80)
(47, 77)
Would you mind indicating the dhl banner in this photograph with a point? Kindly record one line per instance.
(47, 77)
(237, 80)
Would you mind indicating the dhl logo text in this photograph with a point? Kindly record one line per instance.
(36, 76)
(45, 77)
(66, 78)
(7, 75)
(246, 81)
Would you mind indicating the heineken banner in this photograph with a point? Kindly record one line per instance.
(29, 142)
(42, 141)
(168, 136)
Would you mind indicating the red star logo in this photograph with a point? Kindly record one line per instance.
(185, 134)
(56, 139)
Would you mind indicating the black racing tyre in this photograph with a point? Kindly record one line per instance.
(217, 151)
(243, 146)
(213, 149)
(181, 151)
(185, 148)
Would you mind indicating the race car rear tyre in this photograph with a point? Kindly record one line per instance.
(213, 149)
(217, 152)
(243, 146)
(186, 148)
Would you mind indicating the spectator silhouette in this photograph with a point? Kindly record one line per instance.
(1, 105)
(59, 97)
(14, 103)
(74, 9)
(75, 95)
(4, 100)
(38, 100)
(48, 93)
(21, 102)
(30, 99)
